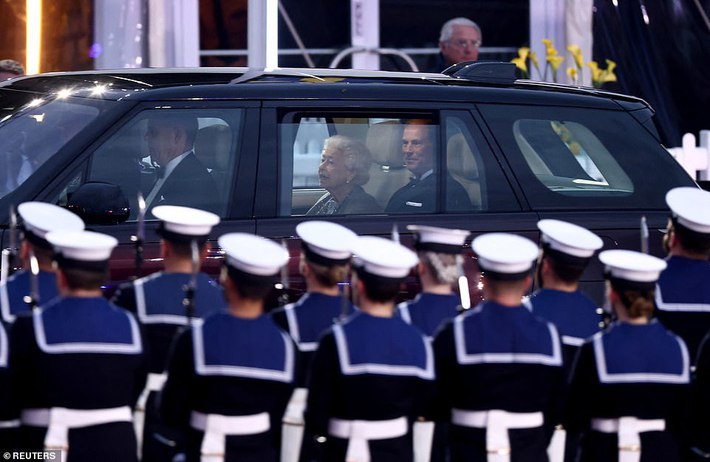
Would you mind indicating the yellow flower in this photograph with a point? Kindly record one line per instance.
(596, 72)
(523, 53)
(555, 61)
(548, 43)
(610, 65)
(520, 64)
(551, 51)
(572, 72)
(577, 54)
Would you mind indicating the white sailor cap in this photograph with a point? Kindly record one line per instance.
(505, 256)
(435, 239)
(252, 254)
(326, 243)
(691, 207)
(81, 249)
(184, 223)
(40, 218)
(631, 268)
(576, 244)
(382, 257)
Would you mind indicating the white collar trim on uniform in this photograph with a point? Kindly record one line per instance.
(134, 347)
(463, 357)
(285, 375)
(348, 368)
(638, 377)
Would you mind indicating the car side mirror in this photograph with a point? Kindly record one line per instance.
(99, 203)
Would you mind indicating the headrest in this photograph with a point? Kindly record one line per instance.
(459, 158)
(384, 140)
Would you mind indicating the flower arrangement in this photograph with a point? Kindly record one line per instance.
(553, 61)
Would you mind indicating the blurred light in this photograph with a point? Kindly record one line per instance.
(34, 35)
(64, 93)
(615, 2)
(35, 102)
(38, 117)
(645, 14)
(98, 90)
(96, 50)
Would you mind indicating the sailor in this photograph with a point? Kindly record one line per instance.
(38, 218)
(165, 302)
(683, 292)
(230, 376)
(373, 373)
(499, 367)
(629, 383)
(78, 362)
(567, 249)
(440, 265)
(324, 263)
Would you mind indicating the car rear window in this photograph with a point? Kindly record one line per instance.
(583, 158)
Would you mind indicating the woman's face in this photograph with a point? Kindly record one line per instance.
(332, 172)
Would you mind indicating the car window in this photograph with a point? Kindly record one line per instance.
(201, 176)
(35, 133)
(373, 163)
(471, 165)
(566, 158)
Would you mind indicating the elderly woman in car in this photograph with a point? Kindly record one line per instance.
(344, 168)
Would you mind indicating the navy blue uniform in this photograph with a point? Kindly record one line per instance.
(229, 366)
(370, 369)
(701, 399)
(683, 300)
(79, 354)
(429, 311)
(498, 358)
(157, 300)
(639, 371)
(17, 287)
(306, 320)
(573, 313)
(9, 414)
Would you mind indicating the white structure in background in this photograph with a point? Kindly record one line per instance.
(365, 32)
(694, 159)
(565, 22)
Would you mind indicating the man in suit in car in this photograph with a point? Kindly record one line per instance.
(419, 195)
(181, 178)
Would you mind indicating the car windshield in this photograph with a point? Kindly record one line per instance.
(33, 129)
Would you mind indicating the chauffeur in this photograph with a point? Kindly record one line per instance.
(78, 363)
(566, 252)
(325, 261)
(683, 292)
(164, 303)
(231, 376)
(629, 382)
(372, 373)
(499, 367)
(439, 267)
(38, 218)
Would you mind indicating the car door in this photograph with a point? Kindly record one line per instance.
(293, 136)
(121, 157)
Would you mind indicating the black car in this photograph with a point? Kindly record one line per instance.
(519, 150)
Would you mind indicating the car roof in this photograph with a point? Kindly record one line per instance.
(149, 83)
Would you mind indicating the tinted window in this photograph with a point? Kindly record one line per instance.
(567, 158)
(343, 164)
(36, 132)
(200, 176)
